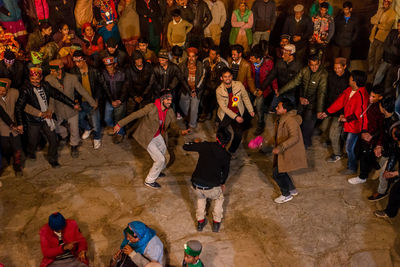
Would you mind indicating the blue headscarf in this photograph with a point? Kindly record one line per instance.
(144, 233)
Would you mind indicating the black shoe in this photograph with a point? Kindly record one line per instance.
(377, 196)
(74, 151)
(55, 164)
(216, 226)
(161, 175)
(259, 130)
(200, 225)
(154, 185)
(32, 156)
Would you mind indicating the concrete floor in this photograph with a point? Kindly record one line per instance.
(330, 222)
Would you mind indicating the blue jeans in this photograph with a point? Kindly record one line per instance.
(351, 142)
(87, 113)
(187, 102)
(113, 115)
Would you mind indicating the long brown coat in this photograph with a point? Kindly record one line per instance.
(289, 140)
(149, 123)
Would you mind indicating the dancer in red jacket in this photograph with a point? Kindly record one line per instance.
(62, 243)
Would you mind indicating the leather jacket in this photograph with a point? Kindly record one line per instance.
(141, 81)
(120, 82)
(169, 78)
(202, 16)
(28, 96)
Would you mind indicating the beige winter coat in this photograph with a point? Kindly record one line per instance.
(289, 140)
(223, 100)
(382, 23)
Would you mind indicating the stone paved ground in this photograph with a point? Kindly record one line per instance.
(330, 222)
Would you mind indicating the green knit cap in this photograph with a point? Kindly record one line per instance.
(193, 248)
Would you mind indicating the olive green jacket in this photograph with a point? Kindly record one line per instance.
(312, 86)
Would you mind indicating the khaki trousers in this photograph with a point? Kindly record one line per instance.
(214, 194)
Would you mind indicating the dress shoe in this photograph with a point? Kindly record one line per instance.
(55, 164)
(200, 225)
(74, 151)
(216, 226)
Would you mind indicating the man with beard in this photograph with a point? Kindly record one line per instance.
(155, 119)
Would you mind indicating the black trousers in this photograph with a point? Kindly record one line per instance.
(367, 160)
(208, 100)
(284, 181)
(308, 125)
(237, 131)
(394, 201)
(34, 131)
(11, 147)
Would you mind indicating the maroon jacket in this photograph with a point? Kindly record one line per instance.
(49, 241)
(375, 123)
(265, 69)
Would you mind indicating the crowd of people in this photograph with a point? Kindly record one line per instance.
(71, 70)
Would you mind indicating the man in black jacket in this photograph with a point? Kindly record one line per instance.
(285, 69)
(202, 17)
(208, 179)
(167, 75)
(12, 69)
(391, 61)
(37, 93)
(212, 64)
(92, 81)
(141, 77)
(300, 28)
(116, 86)
(338, 81)
(346, 32)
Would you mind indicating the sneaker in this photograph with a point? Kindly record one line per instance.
(334, 158)
(282, 199)
(96, 144)
(200, 225)
(216, 226)
(86, 134)
(153, 185)
(356, 180)
(294, 192)
(178, 116)
(74, 151)
(381, 214)
(161, 175)
(376, 196)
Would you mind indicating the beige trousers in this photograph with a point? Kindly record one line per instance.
(214, 194)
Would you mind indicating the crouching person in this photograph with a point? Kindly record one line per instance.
(289, 152)
(140, 246)
(62, 243)
(208, 179)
